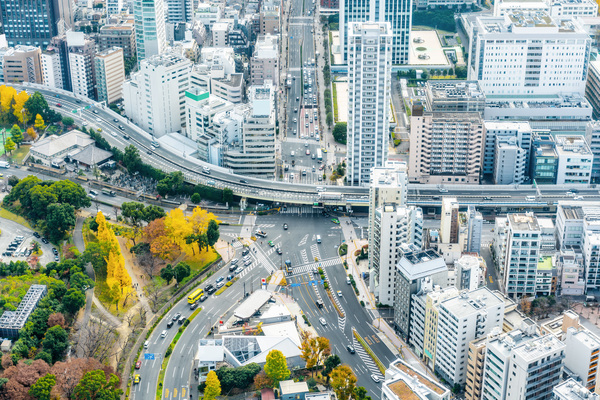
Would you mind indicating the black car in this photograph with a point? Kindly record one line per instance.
(176, 317)
(37, 235)
(44, 240)
(121, 127)
(351, 349)
(95, 111)
(126, 136)
(243, 181)
(170, 324)
(193, 306)
(245, 251)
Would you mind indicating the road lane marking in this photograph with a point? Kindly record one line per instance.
(174, 392)
(166, 393)
(183, 393)
(375, 338)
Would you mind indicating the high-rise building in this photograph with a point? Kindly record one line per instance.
(521, 255)
(81, 64)
(150, 35)
(22, 64)
(447, 134)
(109, 69)
(52, 67)
(498, 132)
(179, 11)
(121, 34)
(475, 228)
(417, 271)
(573, 390)
(462, 319)
(397, 12)
(369, 66)
(256, 155)
(449, 220)
(264, 64)
(393, 226)
(34, 22)
(592, 137)
(519, 366)
(511, 54)
(154, 97)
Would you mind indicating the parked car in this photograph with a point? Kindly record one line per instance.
(138, 364)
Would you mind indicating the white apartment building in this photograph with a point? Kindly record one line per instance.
(114, 7)
(591, 255)
(469, 275)
(256, 153)
(556, 8)
(220, 32)
(519, 367)
(398, 13)
(494, 131)
(207, 13)
(369, 75)
(179, 11)
(475, 228)
(592, 137)
(154, 97)
(201, 109)
(581, 355)
(573, 390)
(510, 162)
(264, 64)
(449, 220)
(403, 382)
(417, 270)
(575, 160)
(81, 64)
(521, 255)
(571, 272)
(530, 53)
(150, 35)
(462, 319)
(109, 69)
(393, 226)
(52, 73)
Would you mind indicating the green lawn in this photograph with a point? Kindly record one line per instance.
(19, 154)
(4, 213)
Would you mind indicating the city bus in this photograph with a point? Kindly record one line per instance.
(195, 295)
(319, 155)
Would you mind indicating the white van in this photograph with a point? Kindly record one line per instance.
(320, 189)
(146, 344)
(292, 154)
(530, 198)
(318, 238)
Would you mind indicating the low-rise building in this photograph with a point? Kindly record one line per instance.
(573, 390)
(11, 322)
(581, 355)
(290, 390)
(575, 160)
(402, 382)
(56, 148)
(22, 64)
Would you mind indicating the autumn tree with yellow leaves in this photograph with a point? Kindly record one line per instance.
(176, 233)
(117, 277)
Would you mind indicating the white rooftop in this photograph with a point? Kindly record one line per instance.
(252, 304)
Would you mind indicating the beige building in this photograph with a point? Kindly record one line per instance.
(23, 64)
(270, 19)
(109, 68)
(445, 148)
(121, 34)
(265, 61)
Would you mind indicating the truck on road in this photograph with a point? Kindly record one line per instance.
(109, 192)
(261, 233)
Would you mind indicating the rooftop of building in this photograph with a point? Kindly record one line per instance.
(573, 390)
(415, 379)
(507, 342)
(373, 27)
(392, 174)
(416, 264)
(530, 19)
(585, 337)
(291, 387)
(523, 222)
(109, 51)
(53, 144)
(539, 347)
(559, 100)
(572, 144)
(469, 302)
(545, 263)
(453, 90)
(507, 125)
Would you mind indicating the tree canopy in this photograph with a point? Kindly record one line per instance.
(276, 367)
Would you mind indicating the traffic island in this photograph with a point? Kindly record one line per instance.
(365, 346)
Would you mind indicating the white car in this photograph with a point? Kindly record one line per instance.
(163, 334)
(375, 378)
(322, 321)
(339, 292)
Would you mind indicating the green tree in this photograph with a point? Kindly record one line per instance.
(340, 132)
(424, 75)
(56, 341)
(42, 387)
(13, 180)
(196, 198)
(40, 197)
(79, 280)
(343, 382)
(68, 121)
(153, 212)
(276, 367)
(181, 271)
(461, 72)
(73, 300)
(131, 158)
(36, 105)
(59, 220)
(227, 195)
(133, 211)
(212, 387)
(94, 386)
(9, 145)
(329, 118)
(360, 393)
(39, 123)
(71, 193)
(330, 363)
(17, 135)
(167, 273)
(212, 232)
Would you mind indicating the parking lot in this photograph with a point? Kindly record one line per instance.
(10, 230)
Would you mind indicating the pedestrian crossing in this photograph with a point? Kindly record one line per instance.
(304, 256)
(301, 269)
(247, 269)
(314, 250)
(366, 358)
(264, 260)
(237, 245)
(267, 225)
(299, 210)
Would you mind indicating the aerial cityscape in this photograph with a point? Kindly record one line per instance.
(299, 199)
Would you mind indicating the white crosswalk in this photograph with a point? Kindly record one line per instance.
(301, 269)
(366, 358)
(314, 250)
(237, 245)
(267, 225)
(304, 256)
(300, 210)
(248, 269)
(264, 260)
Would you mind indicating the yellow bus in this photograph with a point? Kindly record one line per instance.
(195, 295)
